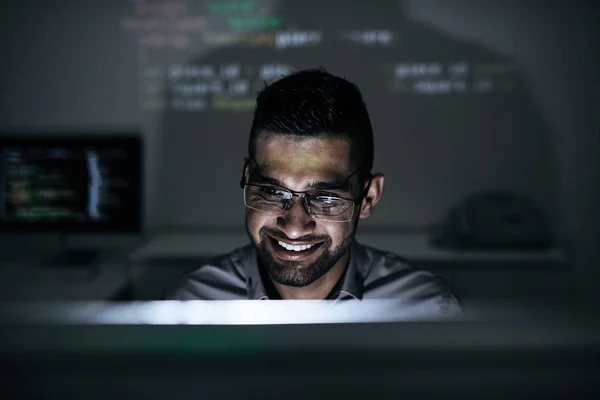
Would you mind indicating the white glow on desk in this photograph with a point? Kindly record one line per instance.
(238, 312)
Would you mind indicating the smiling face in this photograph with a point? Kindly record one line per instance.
(301, 164)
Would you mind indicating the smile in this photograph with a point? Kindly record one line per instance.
(294, 247)
(293, 252)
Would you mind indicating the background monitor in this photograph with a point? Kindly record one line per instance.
(71, 182)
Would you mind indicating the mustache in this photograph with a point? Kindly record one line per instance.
(280, 235)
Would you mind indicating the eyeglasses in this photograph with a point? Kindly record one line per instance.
(323, 207)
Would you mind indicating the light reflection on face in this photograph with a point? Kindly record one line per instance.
(296, 163)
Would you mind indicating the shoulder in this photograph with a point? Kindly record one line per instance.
(224, 278)
(390, 276)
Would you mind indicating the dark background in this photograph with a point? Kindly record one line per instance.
(71, 63)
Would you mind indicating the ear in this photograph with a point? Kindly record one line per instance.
(246, 171)
(373, 196)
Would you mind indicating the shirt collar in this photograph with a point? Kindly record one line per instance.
(255, 287)
(352, 284)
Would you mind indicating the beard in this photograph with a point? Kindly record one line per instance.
(293, 273)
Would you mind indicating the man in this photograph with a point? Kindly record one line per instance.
(306, 183)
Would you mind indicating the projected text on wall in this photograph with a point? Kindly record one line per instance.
(177, 40)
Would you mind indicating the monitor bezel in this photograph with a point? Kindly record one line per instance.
(130, 139)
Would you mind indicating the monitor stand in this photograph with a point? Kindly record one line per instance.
(73, 262)
(72, 258)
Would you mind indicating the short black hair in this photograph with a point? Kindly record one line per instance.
(316, 103)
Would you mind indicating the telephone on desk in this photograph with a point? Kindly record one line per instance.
(494, 220)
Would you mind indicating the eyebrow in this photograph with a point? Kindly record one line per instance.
(314, 185)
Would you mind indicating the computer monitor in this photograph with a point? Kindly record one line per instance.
(71, 183)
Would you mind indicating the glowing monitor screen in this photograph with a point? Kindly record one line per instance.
(77, 183)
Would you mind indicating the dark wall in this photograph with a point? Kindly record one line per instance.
(70, 63)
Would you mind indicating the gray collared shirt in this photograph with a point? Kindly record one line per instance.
(371, 274)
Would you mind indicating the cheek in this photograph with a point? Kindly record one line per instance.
(338, 232)
(256, 220)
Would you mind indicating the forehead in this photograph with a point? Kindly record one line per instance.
(297, 156)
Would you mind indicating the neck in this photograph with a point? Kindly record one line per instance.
(318, 290)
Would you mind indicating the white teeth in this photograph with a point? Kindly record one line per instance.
(294, 248)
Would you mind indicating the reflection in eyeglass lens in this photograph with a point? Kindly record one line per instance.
(270, 199)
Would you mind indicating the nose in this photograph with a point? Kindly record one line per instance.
(296, 221)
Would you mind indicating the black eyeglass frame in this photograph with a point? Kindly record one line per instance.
(305, 195)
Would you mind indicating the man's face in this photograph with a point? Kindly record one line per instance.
(297, 164)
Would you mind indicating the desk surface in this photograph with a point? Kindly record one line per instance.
(412, 246)
(29, 280)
